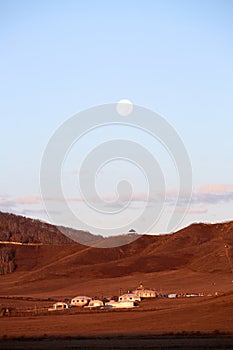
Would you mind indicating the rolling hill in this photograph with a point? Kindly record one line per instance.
(48, 254)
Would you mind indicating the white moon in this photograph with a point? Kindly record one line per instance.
(124, 107)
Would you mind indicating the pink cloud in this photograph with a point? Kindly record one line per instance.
(215, 189)
(213, 194)
(27, 200)
(201, 210)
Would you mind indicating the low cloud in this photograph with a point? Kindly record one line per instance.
(28, 200)
(201, 199)
(213, 194)
(197, 210)
(10, 201)
(216, 189)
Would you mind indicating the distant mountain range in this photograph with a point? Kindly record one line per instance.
(46, 252)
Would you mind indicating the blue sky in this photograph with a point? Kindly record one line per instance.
(61, 57)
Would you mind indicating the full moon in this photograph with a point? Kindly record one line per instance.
(124, 107)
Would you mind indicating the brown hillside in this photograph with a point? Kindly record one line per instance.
(15, 228)
(199, 247)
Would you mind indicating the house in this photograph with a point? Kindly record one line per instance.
(59, 306)
(120, 304)
(129, 297)
(95, 303)
(142, 292)
(81, 300)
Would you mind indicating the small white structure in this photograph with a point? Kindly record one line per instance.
(95, 303)
(59, 306)
(172, 295)
(80, 300)
(120, 304)
(129, 297)
(189, 295)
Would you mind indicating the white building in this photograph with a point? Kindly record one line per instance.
(129, 297)
(142, 292)
(80, 300)
(95, 303)
(120, 304)
(172, 295)
(59, 306)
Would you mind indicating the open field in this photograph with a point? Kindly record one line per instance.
(206, 314)
(152, 317)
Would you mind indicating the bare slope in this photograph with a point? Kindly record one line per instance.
(199, 247)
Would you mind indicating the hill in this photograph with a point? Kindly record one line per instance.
(16, 228)
(199, 247)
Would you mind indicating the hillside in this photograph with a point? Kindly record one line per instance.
(16, 228)
(199, 247)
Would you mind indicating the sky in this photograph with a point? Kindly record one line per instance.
(173, 57)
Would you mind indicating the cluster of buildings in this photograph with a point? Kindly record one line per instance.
(128, 300)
